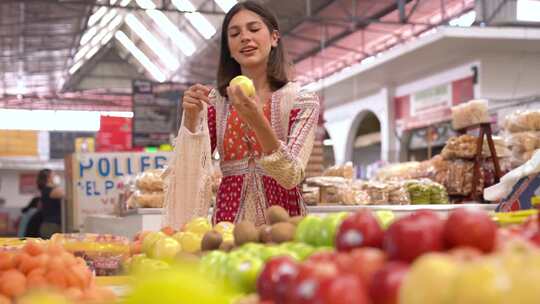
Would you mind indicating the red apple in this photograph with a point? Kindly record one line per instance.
(323, 256)
(360, 229)
(276, 277)
(413, 235)
(345, 289)
(467, 227)
(384, 288)
(312, 281)
(367, 261)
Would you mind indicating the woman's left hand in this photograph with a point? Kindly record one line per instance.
(249, 109)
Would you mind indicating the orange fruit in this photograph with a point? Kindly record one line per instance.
(56, 278)
(12, 283)
(55, 249)
(4, 300)
(6, 260)
(73, 293)
(55, 263)
(28, 263)
(34, 248)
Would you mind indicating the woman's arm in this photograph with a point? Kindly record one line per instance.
(57, 193)
(283, 161)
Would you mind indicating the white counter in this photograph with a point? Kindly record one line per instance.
(150, 218)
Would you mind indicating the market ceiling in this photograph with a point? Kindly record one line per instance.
(47, 46)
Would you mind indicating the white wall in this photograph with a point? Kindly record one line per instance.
(9, 189)
(510, 75)
(342, 123)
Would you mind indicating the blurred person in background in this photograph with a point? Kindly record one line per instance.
(51, 203)
(31, 218)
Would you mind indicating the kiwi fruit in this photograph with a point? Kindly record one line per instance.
(295, 220)
(245, 232)
(265, 234)
(226, 246)
(211, 240)
(282, 232)
(277, 214)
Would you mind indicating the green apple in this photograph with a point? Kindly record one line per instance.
(430, 280)
(198, 226)
(269, 252)
(385, 217)
(245, 84)
(189, 241)
(308, 230)
(165, 249)
(329, 227)
(213, 263)
(243, 273)
(301, 250)
(150, 239)
(482, 281)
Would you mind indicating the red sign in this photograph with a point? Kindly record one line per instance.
(114, 134)
(27, 183)
(407, 118)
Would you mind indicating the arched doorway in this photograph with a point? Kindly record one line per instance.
(366, 146)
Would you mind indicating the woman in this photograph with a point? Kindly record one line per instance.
(264, 141)
(30, 221)
(51, 204)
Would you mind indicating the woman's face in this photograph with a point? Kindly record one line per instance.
(249, 39)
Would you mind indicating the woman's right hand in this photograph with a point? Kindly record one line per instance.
(192, 104)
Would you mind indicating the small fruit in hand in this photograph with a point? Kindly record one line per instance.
(467, 227)
(245, 84)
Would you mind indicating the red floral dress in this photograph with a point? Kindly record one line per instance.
(252, 181)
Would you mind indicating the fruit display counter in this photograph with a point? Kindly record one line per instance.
(362, 256)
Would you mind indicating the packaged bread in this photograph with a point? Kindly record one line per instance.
(500, 148)
(325, 181)
(150, 180)
(398, 194)
(523, 141)
(470, 113)
(523, 120)
(148, 199)
(346, 170)
(352, 196)
(463, 146)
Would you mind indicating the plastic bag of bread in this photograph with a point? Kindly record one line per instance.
(326, 181)
(352, 196)
(378, 193)
(523, 141)
(346, 170)
(398, 194)
(150, 181)
(463, 146)
(470, 113)
(519, 121)
(500, 148)
(148, 199)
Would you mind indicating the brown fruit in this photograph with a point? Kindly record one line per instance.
(295, 220)
(265, 234)
(226, 246)
(211, 240)
(276, 214)
(283, 232)
(245, 232)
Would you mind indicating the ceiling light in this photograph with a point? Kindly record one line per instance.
(225, 5)
(99, 36)
(125, 2)
(181, 40)
(48, 120)
(107, 38)
(96, 16)
(157, 47)
(75, 67)
(146, 4)
(92, 52)
(201, 24)
(88, 35)
(82, 51)
(108, 17)
(140, 56)
(528, 10)
(184, 5)
(116, 22)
